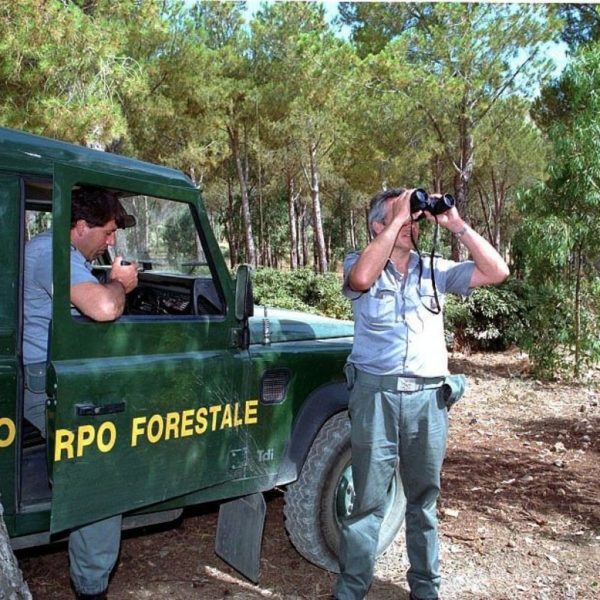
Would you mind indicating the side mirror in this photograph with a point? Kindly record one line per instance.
(244, 299)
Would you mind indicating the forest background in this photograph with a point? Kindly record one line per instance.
(288, 120)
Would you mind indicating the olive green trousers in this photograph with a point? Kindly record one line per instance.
(391, 424)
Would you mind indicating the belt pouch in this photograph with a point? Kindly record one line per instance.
(453, 389)
(350, 373)
(35, 377)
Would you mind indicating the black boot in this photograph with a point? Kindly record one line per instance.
(100, 596)
(81, 596)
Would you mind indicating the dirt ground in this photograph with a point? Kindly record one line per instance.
(519, 514)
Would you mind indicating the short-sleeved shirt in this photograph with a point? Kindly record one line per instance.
(37, 293)
(394, 332)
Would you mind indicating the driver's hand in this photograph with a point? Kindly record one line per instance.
(126, 275)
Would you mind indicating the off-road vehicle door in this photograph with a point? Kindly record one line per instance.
(9, 224)
(152, 405)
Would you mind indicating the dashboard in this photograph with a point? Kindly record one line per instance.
(164, 294)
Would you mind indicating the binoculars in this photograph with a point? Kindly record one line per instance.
(420, 200)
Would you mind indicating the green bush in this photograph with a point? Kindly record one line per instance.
(491, 318)
(551, 340)
(301, 290)
(548, 334)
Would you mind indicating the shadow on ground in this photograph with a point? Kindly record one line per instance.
(529, 484)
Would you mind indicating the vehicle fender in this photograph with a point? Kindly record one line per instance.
(321, 404)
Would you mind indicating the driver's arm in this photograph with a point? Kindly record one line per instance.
(99, 301)
(105, 301)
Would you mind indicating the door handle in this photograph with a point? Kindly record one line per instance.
(92, 410)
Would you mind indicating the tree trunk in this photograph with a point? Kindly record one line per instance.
(12, 586)
(576, 366)
(262, 243)
(492, 208)
(293, 225)
(230, 231)
(464, 174)
(246, 216)
(352, 230)
(500, 192)
(497, 216)
(499, 204)
(304, 237)
(437, 175)
(315, 193)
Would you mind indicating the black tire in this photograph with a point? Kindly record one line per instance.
(322, 496)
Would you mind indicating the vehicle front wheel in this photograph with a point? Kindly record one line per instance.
(322, 496)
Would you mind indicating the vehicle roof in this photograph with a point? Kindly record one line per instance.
(22, 151)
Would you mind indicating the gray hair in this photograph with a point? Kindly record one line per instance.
(378, 205)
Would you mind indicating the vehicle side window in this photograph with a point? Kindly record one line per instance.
(175, 275)
(38, 207)
(36, 222)
(164, 238)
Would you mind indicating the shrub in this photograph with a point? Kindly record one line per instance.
(301, 290)
(552, 339)
(491, 318)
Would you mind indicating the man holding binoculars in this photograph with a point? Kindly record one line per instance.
(398, 375)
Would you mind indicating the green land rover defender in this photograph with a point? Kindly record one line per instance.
(187, 398)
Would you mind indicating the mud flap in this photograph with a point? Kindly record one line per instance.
(239, 534)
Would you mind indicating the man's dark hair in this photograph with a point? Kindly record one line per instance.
(378, 204)
(97, 206)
